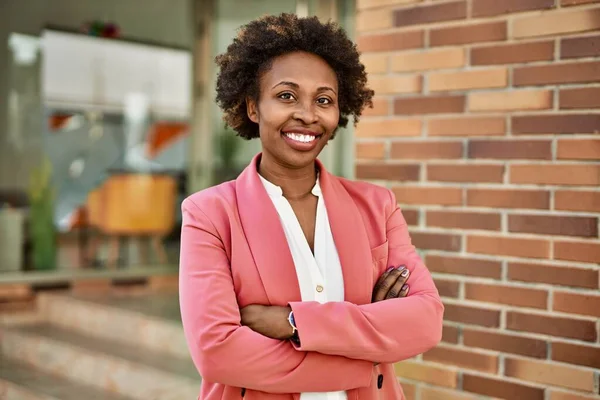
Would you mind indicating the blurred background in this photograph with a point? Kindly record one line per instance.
(485, 125)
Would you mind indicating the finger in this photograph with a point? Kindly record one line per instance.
(386, 284)
(404, 291)
(380, 281)
(395, 289)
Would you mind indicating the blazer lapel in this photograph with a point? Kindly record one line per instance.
(350, 237)
(266, 238)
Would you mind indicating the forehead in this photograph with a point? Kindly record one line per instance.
(305, 69)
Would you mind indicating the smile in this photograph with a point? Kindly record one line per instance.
(299, 137)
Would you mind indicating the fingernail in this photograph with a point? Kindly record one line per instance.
(404, 287)
(389, 269)
(404, 273)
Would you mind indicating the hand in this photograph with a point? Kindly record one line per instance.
(392, 284)
(269, 321)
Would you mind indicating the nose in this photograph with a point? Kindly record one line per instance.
(306, 113)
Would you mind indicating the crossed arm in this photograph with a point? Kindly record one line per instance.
(228, 353)
(340, 341)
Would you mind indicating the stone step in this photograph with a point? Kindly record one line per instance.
(19, 381)
(142, 319)
(108, 365)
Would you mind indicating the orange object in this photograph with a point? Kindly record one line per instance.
(137, 204)
(162, 135)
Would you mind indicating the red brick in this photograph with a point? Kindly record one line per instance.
(388, 128)
(577, 303)
(366, 4)
(380, 108)
(429, 105)
(392, 172)
(577, 251)
(512, 53)
(465, 173)
(586, 46)
(447, 288)
(557, 174)
(549, 373)
(554, 326)
(375, 63)
(506, 198)
(430, 13)
(464, 34)
(500, 388)
(558, 73)
(464, 266)
(588, 356)
(560, 395)
(436, 241)
(584, 149)
(391, 41)
(513, 100)
(508, 246)
(370, 20)
(429, 60)
(565, 123)
(450, 334)
(370, 151)
(462, 358)
(577, 200)
(425, 150)
(567, 3)
(472, 315)
(506, 343)
(580, 98)
(433, 393)
(556, 23)
(553, 275)
(423, 195)
(488, 8)
(411, 216)
(511, 149)
(427, 373)
(468, 80)
(507, 294)
(487, 126)
(554, 225)
(464, 220)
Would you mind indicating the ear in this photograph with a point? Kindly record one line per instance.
(252, 109)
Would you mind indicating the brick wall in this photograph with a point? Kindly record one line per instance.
(485, 125)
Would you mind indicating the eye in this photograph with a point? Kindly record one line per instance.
(286, 96)
(324, 100)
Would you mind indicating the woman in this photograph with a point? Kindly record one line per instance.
(285, 289)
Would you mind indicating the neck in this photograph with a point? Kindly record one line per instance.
(296, 183)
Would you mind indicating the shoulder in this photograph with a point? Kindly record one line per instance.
(369, 195)
(210, 201)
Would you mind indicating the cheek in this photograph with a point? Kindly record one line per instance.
(331, 119)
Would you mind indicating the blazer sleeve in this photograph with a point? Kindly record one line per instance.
(387, 331)
(226, 352)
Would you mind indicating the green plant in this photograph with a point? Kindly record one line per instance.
(227, 145)
(41, 216)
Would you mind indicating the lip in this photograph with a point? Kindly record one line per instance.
(301, 146)
(302, 131)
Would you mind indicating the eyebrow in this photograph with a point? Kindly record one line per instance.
(296, 86)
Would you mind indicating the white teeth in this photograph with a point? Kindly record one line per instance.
(301, 138)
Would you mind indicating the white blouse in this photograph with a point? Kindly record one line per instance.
(320, 275)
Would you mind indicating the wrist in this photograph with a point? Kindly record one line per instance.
(294, 330)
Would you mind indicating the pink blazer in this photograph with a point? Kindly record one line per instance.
(234, 253)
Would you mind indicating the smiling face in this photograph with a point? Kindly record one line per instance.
(297, 110)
